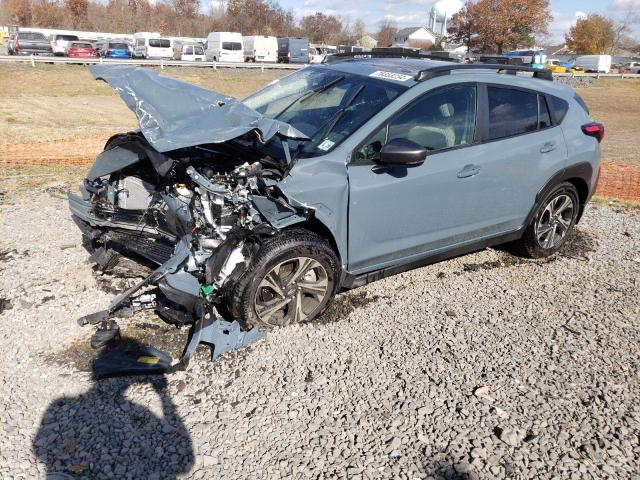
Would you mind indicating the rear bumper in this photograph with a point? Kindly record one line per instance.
(41, 53)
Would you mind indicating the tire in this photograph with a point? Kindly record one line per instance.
(295, 252)
(552, 223)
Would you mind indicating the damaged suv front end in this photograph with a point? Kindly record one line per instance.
(198, 191)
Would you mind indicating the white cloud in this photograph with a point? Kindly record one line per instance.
(562, 22)
(625, 5)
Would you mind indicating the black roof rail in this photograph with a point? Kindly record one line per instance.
(440, 70)
(338, 57)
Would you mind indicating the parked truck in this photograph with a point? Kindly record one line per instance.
(594, 63)
(31, 43)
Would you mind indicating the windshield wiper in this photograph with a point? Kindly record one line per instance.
(339, 114)
(310, 93)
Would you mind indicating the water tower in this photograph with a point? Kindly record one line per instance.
(441, 13)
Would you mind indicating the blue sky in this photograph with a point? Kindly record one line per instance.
(415, 12)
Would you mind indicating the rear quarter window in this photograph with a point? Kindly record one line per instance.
(560, 108)
(582, 103)
(31, 36)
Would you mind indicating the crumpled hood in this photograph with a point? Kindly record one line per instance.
(174, 114)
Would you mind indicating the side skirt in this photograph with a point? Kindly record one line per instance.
(350, 280)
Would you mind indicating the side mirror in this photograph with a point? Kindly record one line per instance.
(401, 152)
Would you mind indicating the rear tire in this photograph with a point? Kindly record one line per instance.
(291, 279)
(552, 223)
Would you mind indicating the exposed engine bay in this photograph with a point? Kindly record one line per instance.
(201, 222)
(198, 213)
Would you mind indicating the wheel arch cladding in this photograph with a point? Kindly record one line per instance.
(579, 175)
(312, 224)
(583, 192)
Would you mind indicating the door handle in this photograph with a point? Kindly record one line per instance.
(469, 171)
(548, 147)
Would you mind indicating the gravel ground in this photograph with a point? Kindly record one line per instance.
(486, 366)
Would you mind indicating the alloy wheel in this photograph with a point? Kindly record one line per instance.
(555, 221)
(291, 292)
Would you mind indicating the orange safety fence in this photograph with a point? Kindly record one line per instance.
(617, 180)
(62, 153)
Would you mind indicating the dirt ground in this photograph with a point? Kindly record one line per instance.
(57, 114)
(487, 366)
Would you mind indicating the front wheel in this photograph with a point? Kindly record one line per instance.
(291, 279)
(552, 223)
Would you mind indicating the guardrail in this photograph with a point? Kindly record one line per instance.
(33, 59)
(598, 75)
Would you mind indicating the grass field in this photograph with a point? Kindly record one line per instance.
(63, 102)
(616, 103)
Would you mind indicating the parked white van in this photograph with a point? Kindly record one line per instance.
(594, 63)
(258, 48)
(225, 47)
(188, 52)
(152, 45)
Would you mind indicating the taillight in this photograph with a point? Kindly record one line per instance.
(17, 47)
(595, 130)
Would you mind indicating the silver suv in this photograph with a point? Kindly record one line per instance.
(329, 178)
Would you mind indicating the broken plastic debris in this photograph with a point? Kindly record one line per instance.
(207, 289)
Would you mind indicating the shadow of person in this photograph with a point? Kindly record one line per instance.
(103, 434)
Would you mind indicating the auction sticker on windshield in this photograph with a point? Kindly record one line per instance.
(391, 76)
(326, 145)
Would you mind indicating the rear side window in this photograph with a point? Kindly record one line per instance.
(231, 46)
(31, 36)
(560, 108)
(159, 42)
(511, 112)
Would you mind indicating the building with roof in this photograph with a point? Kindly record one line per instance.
(414, 37)
(368, 42)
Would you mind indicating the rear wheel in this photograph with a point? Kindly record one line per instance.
(552, 223)
(291, 279)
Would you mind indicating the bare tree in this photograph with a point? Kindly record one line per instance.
(359, 29)
(321, 27)
(386, 31)
(19, 11)
(622, 28)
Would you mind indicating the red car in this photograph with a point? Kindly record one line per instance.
(81, 49)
